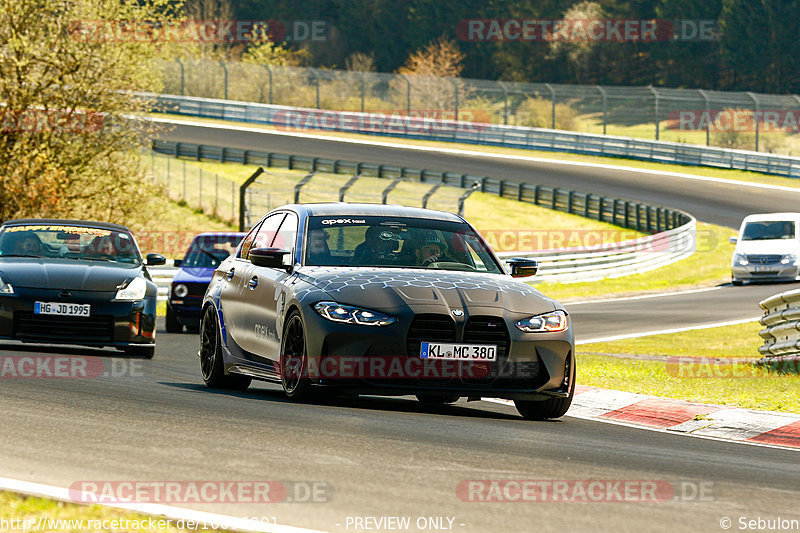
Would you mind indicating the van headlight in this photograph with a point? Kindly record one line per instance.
(135, 289)
(5, 287)
(789, 258)
(740, 260)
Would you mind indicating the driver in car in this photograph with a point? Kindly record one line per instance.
(433, 251)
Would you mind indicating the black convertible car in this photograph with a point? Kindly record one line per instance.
(384, 300)
(76, 282)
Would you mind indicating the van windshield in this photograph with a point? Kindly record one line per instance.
(768, 230)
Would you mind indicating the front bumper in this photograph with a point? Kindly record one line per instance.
(111, 323)
(187, 310)
(533, 365)
(765, 272)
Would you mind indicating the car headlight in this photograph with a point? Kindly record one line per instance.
(348, 314)
(133, 290)
(790, 258)
(180, 290)
(740, 259)
(548, 322)
(5, 288)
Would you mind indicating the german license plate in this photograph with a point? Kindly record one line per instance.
(767, 269)
(60, 308)
(462, 352)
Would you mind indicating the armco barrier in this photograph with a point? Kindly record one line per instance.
(479, 133)
(162, 277)
(781, 349)
(674, 237)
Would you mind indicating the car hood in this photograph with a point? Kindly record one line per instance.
(45, 273)
(392, 288)
(193, 275)
(772, 246)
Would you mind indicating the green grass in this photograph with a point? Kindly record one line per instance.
(18, 507)
(735, 175)
(708, 266)
(715, 377)
(738, 341)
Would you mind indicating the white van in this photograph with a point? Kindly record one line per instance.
(768, 248)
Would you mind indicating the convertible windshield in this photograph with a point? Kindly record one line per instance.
(68, 242)
(768, 230)
(396, 242)
(208, 251)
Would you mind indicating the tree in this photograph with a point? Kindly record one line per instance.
(428, 69)
(70, 143)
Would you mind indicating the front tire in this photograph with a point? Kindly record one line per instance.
(294, 359)
(211, 363)
(550, 408)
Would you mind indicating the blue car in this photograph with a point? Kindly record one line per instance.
(189, 285)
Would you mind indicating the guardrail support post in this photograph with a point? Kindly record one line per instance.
(242, 192)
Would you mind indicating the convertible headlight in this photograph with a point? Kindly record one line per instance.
(352, 315)
(180, 290)
(555, 321)
(740, 259)
(790, 258)
(5, 288)
(134, 290)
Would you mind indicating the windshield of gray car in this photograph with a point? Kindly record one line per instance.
(400, 242)
(68, 242)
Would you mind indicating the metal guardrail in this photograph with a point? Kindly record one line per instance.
(674, 230)
(781, 348)
(162, 277)
(479, 133)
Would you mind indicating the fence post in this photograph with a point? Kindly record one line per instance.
(183, 77)
(313, 72)
(269, 71)
(363, 90)
(605, 102)
(408, 93)
(225, 70)
(655, 94)
(708, 110)
(455, 88)
(755, 115)
(505, 102)
(243, 191)
(300, 185)
(553, 103)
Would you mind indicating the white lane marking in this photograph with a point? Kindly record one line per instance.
(665, 331)
(642, 296)
(592, 418)
(175, 513)
(477, 153)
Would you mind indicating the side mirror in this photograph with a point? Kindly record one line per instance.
(156, 259)
(177, 262)
(268, 257)
(522, 267)
(733, 240)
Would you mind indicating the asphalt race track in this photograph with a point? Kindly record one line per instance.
(380, 457)
(376, 456)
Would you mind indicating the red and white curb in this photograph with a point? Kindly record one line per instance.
(700, 420)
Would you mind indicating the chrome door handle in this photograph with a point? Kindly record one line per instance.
(253, 282)
(229, 275)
